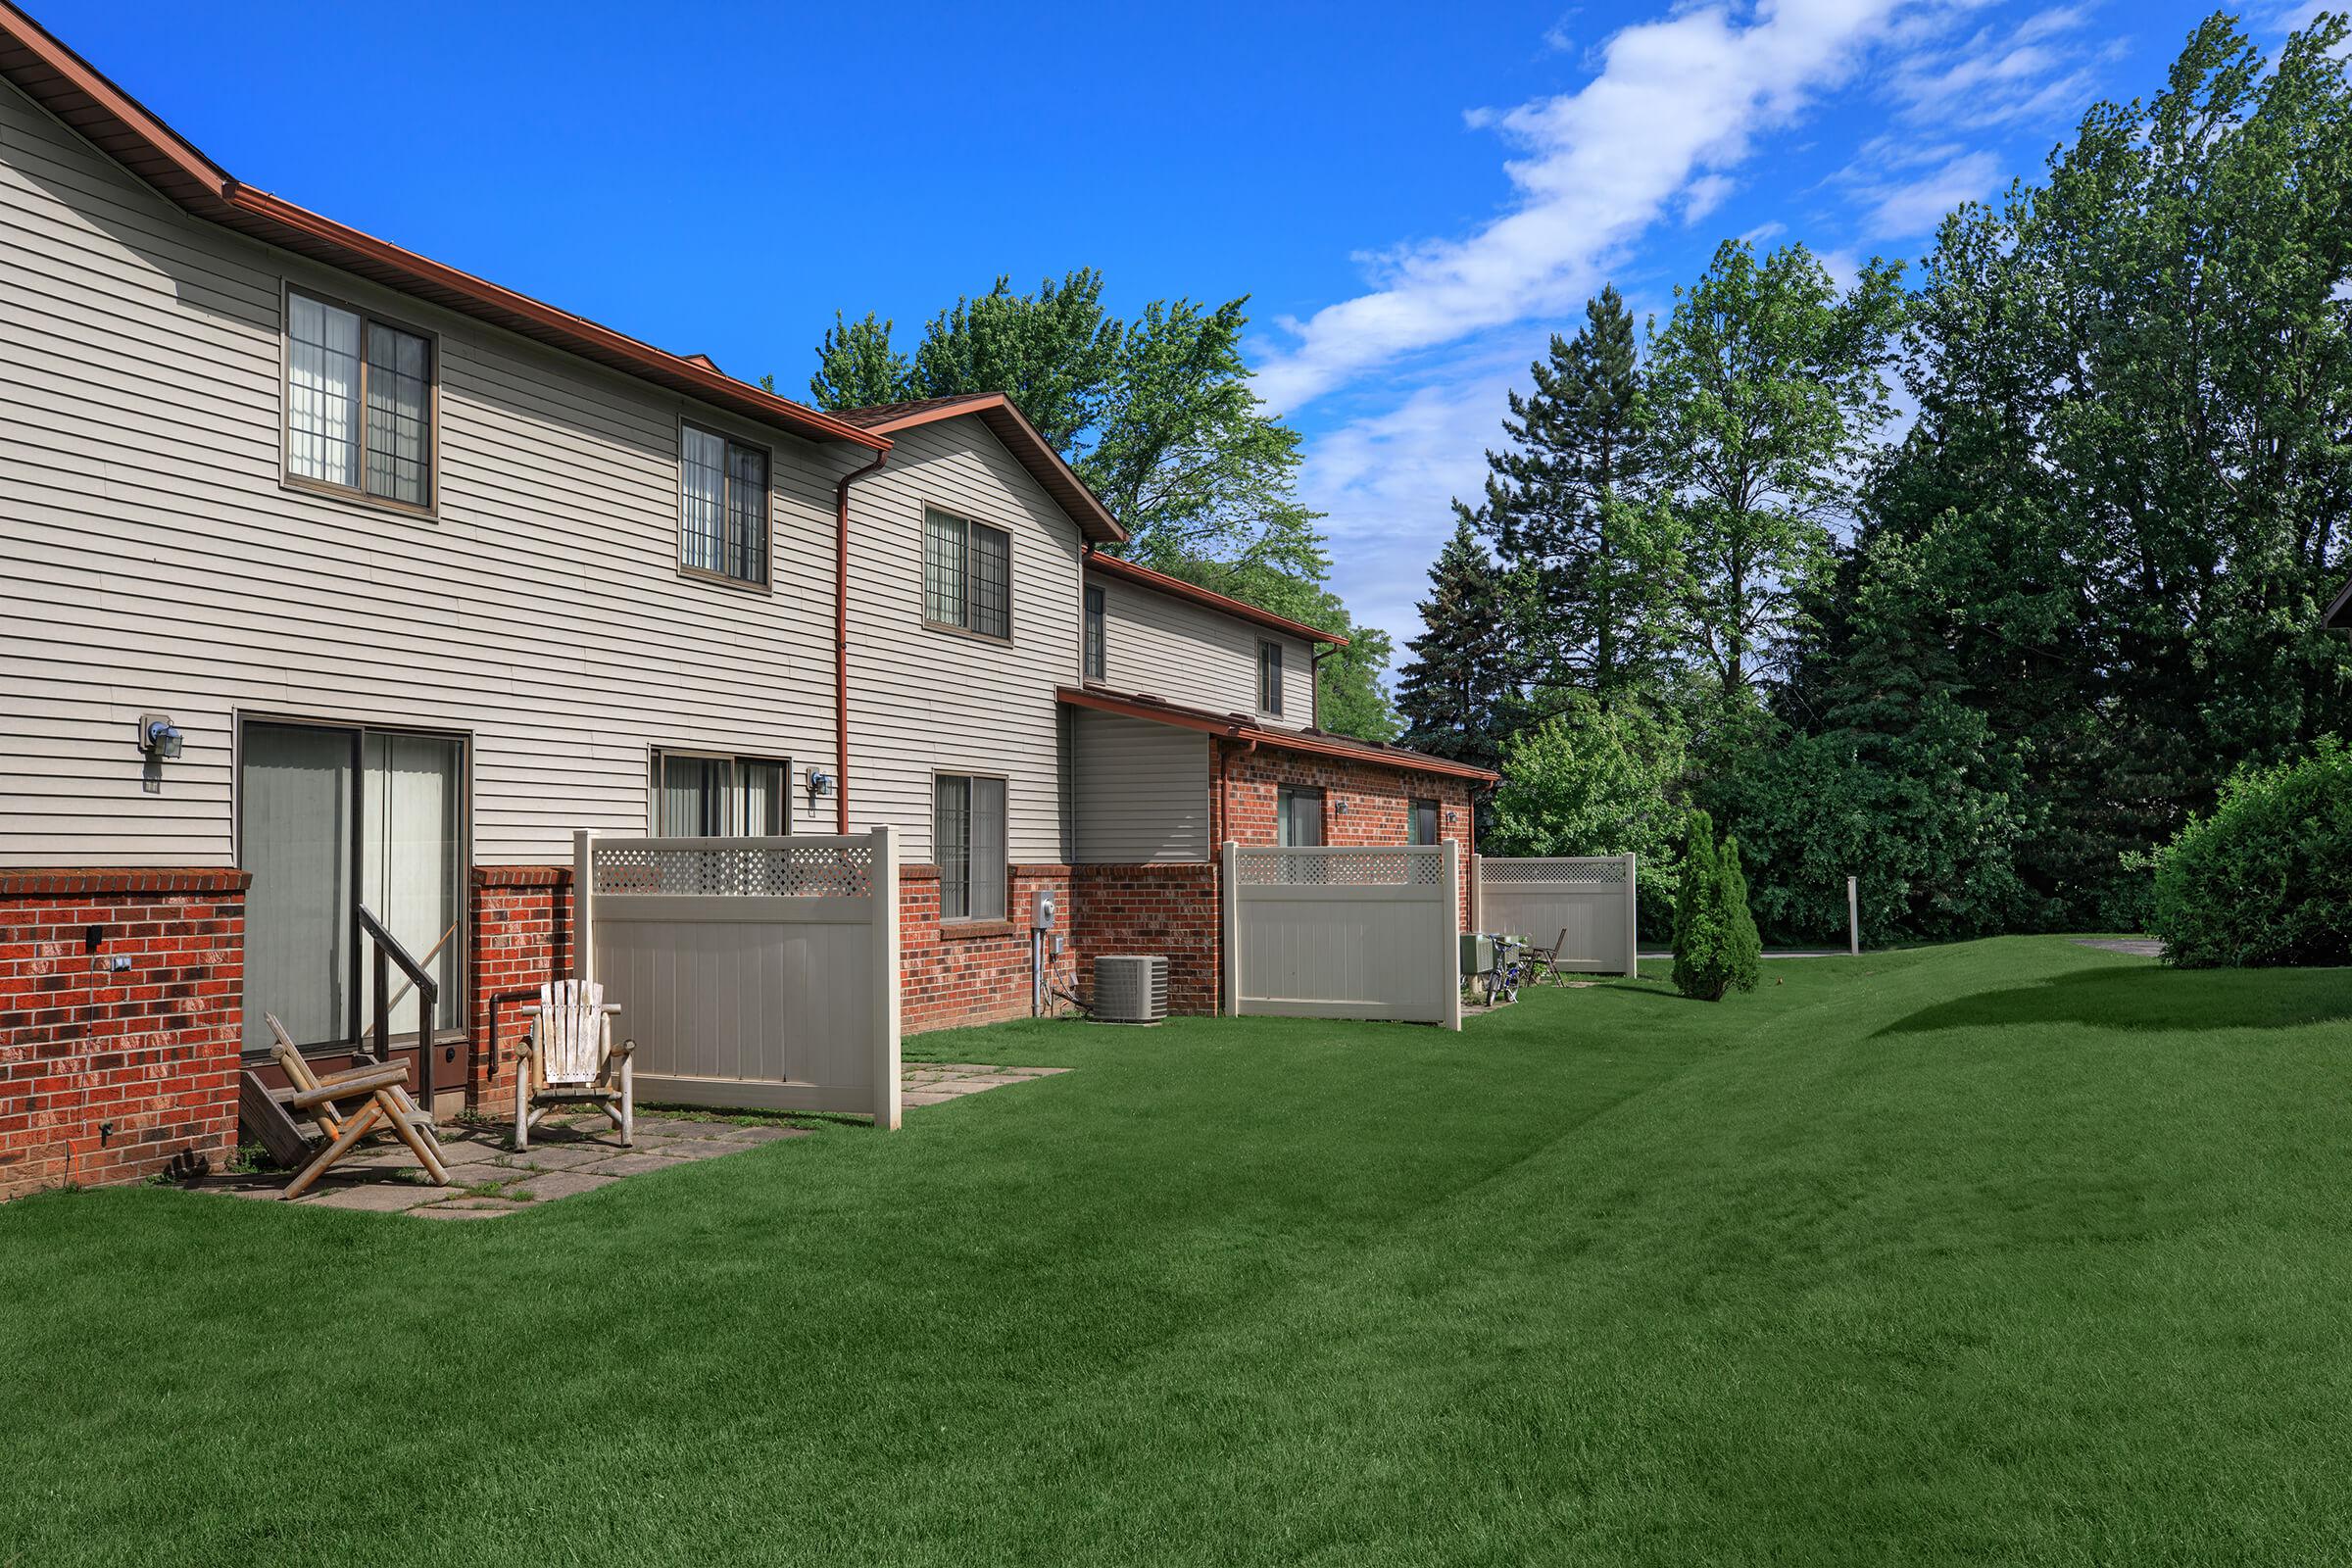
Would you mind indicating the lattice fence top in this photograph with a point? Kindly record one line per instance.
(749, 870)
(1582, 873)
(1342, 868)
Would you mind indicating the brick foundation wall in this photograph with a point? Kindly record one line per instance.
(113, 1075)
(1377, 801)
(1169, 908)
(967, 973)
(522, 928)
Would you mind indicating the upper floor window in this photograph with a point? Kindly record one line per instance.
(723, 497)
(699, 794)
(1269, 678)
(967, 575)
(359, 404)
(967, 831)
(1097, 637)
(1426, 824)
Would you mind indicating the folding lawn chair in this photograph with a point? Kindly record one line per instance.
(382, 1095)
(1544, 963)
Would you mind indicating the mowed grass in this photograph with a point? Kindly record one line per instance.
(2014, 1252)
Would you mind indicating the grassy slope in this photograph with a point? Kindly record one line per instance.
(2014, 1252)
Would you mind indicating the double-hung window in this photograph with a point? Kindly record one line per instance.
(722, 489)
(359, 404)
(1269, 678)
(967, 831)
(707, 795)
(1426, 822)
(1097, 640)
(1297, 816)
(967, 575)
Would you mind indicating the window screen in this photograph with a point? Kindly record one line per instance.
(967, 827)
(722, 506)
(1097, 640)
(1269, 678)
(359, 403)
(967, 575)
(1297, 817)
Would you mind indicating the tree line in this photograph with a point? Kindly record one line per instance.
(1989, 657)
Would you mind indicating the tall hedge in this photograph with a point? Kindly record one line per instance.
(2267, 879)
(1715, 943)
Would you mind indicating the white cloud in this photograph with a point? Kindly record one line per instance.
(1675, 102)
(1995, 77)
(1391, 476)
(1909, 208)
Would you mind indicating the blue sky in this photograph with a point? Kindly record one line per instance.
(1414, 198)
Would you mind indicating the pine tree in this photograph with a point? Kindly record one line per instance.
(1459, 694)
(1715, 944)
(1569, 499)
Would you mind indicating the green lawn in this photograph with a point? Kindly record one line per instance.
(2014, 1252)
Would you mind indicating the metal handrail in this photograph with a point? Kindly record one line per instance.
(388, 952)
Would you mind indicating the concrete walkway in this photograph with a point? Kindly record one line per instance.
(571, 1153)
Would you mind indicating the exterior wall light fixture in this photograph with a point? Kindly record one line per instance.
(159, 738)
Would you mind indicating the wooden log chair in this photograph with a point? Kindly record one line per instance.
(569, 1058)
(346, 1107)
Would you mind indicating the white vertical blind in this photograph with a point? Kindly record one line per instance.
(703, 473)
(943, 569)
(409, 865)
(398, 425)
(323, 392)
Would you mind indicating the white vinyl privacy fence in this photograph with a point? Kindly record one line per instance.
(758, 972)
(1591, 899)
(1343, 933)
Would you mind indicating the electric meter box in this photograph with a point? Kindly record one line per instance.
(1042, 911)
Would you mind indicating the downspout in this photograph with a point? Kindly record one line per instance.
(841, 638)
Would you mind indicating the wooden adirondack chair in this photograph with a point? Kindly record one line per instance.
(569, 1058)
(382, 1095)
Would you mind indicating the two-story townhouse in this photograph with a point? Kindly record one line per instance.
(335, 577)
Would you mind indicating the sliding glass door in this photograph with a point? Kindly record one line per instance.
(329, 818)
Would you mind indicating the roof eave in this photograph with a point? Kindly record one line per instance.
(1178, 588)
(1240, 729)
(2339, 614)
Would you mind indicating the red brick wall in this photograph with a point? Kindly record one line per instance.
(521, 939)
(115, 1075)
(966, 972)
(1377, 801)
(1166, 908)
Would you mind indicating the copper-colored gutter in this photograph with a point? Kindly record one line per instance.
(840, 639)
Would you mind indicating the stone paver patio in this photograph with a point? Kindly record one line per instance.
(577, 1153)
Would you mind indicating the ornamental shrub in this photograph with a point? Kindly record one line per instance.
(2267, 879)
(1715, 944)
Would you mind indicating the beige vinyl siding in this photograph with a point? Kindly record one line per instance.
(1165, 647)
(154, 563)
(926, 700)
(1141, 790)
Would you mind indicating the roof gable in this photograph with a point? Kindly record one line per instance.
(1010, 427)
